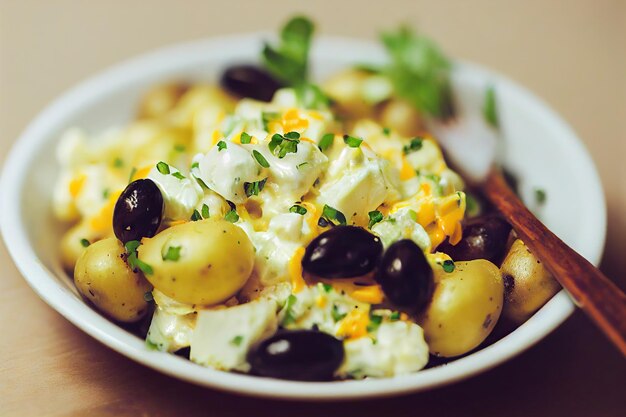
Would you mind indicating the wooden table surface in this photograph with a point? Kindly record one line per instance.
(572, 53)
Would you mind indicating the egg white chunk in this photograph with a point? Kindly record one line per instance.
(180, 196)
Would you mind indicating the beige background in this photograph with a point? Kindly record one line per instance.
(571, 53)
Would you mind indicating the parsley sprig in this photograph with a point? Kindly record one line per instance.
(331, 215)
(419, 72)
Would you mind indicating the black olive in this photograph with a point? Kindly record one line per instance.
(305, 355)
(483, 238)
(406, 276)
(138, 211)
(249, 81)
(342, 252)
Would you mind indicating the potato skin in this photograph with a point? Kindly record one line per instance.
(103, 277)
(465, 307)
(528, 284)
(216, 259)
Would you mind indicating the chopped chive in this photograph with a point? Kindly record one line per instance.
(327, 287)
(105, 193)
(490, 112)
(260, 159)
(351, 141)
(336, 314)
(297, 209)
(172, 253)
(289, 316)
(245, 138)
(254, 188)
(202, 183)
(118, 162)
(237, 340)
(179, 148)
(301, 165)
(540, 195)
(332, 215)
(232, 216)
(326, 141)
(178, 175)
(413, 146)
(205, 211)
(448, 265)
(386, 131)
(196, 216)
(163, 168)
(84, 243)
(195, 165)
(133, 261)
(221, 145)
(395, 316)
(375, 217)
(374, 324)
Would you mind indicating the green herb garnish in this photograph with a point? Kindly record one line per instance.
(195, 216)
(84, 243)
(254, 188)
(163, 168)
(133, 171)
(258, 156)
(172, 253)
(105, 193)
(231, 216)
(490, 112)
(289, 316)
(351, 141)
(540, 195)
(288, 61)
(133, 261)
(281, 145)
(237, 340)
(327, 287)
(205, 211)
(395, 316)
(297, 209)
(448, 266)
(414, 145)
(419, 72)
(221, 145)
(195, 165)
(245, 138)
(178, 175)
(326, 141)
(375, 217)
(301, 165)
(386, 131)
(374, 324)
(310, 96)
(179, 148)
(118, 162)
(332, 215)
(336, 314)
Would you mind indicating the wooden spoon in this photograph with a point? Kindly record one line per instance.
(590, 290)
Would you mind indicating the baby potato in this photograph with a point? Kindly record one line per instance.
(203, 262)
(71, 245)
(103, 277)
(161, 99)
(465, 307)
(528, 284)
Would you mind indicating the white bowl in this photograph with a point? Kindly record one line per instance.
(541, 149)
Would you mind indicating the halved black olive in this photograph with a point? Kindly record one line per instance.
(484, 237)
(406, 276)
(342, 252)
(138, 211)
(304, 355)
(249, 81)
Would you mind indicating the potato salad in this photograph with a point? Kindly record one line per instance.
(271, 226)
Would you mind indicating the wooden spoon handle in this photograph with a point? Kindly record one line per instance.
(591, 290)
